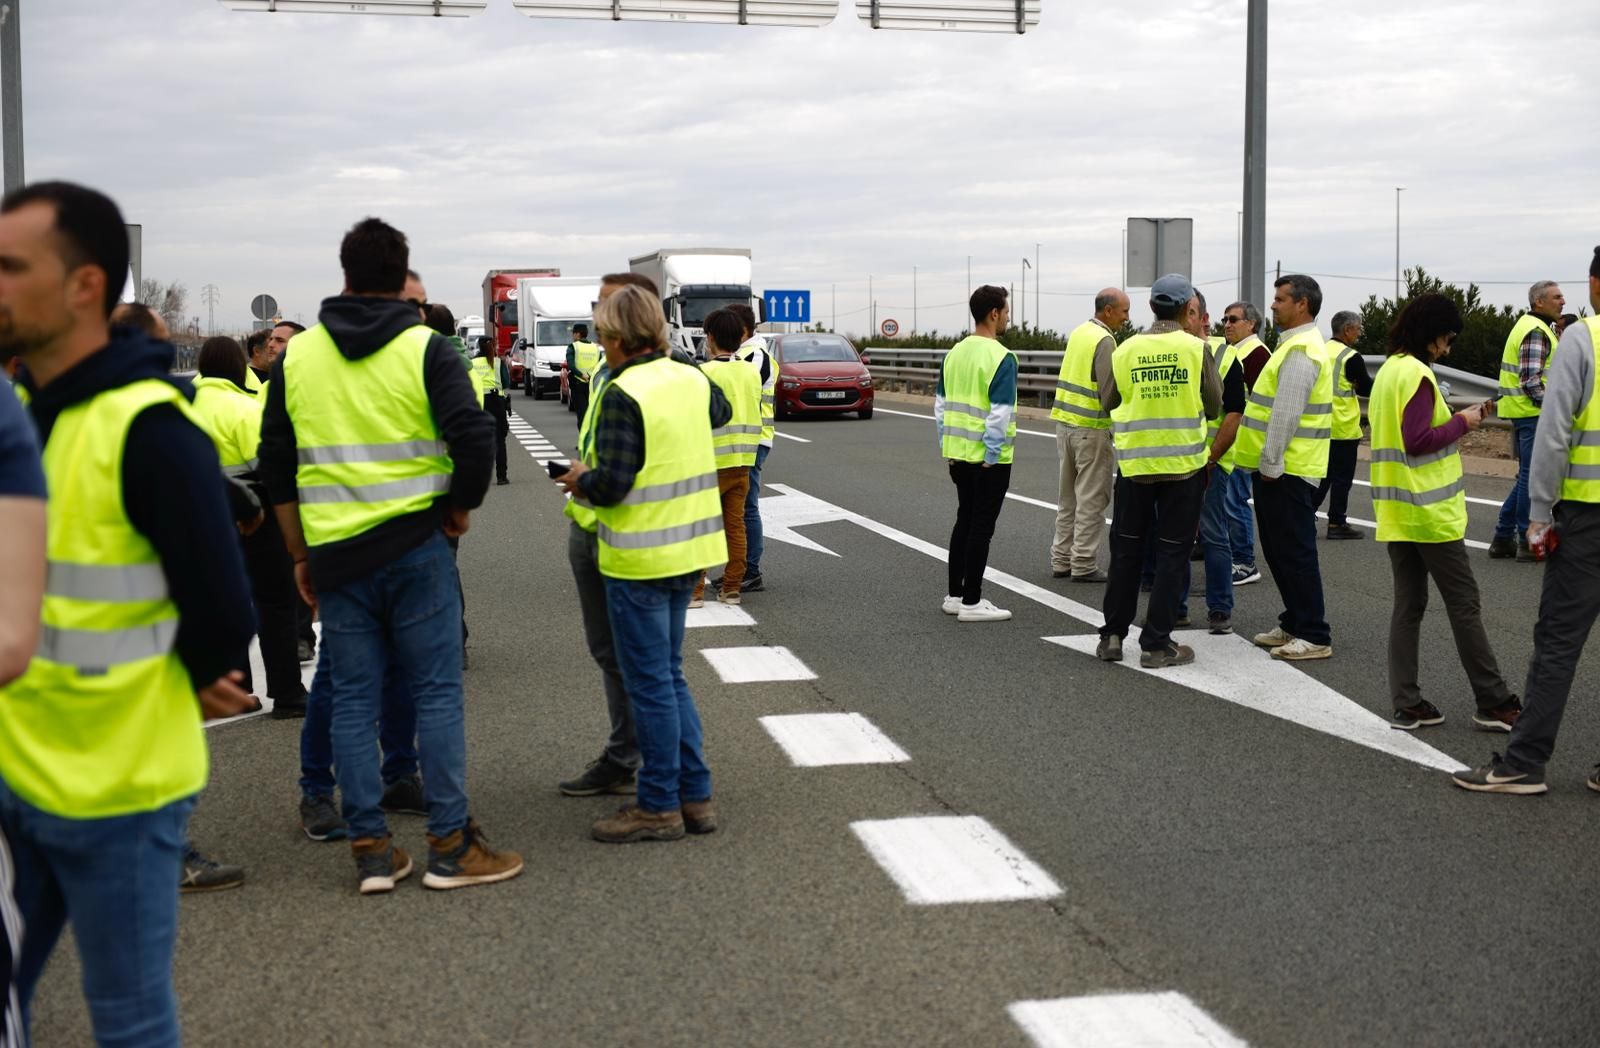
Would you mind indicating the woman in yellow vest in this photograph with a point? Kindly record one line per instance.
(651, 476)
(1420, 500)
(735, 444)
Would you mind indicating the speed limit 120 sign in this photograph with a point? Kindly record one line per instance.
(890, 328)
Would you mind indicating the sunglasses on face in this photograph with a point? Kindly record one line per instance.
(1232, 320)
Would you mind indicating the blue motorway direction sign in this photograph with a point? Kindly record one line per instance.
(788, 307)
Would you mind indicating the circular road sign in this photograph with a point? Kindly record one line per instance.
(890, 328)
(263, 307)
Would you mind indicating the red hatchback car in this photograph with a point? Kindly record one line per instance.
(820, 374)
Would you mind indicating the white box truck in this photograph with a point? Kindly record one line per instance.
(695, 281)
(547, 307)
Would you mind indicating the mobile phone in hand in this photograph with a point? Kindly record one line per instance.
(557, 470)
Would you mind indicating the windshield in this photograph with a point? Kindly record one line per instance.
(554, 332)
(815, 348)
(695, 310)
(505, 313)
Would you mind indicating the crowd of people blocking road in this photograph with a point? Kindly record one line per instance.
(152, 526)
(1199, 444)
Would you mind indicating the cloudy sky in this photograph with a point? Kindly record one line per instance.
(246, 143)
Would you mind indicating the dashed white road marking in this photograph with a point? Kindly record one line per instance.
(751, 664)
(818, 740)
(941, 859)
(791, 436)
(716, 613)
(1121, 1020)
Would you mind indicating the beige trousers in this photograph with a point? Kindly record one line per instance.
(1082, 498)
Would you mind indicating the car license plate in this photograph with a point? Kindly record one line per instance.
(827, 394)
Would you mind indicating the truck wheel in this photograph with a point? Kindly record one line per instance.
(527, 388)
(538, 390)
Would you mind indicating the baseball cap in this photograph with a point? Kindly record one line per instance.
(1173, 289)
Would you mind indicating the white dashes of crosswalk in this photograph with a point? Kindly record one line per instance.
(818, 740)
(1121, 1020)
(536, 444)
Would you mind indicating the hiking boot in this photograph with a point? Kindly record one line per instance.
(1502, 718)
(700, 816)
(1109, 649)
(464, 858)
(1499, 777)
(1502, 548)
(1244, 574)
(1219, 622)
(379, 864)
(1171, 655)
(201, 874)
(1422, 715)
(289, 709)
(601, 776)
(405, 797)
(632, 823)
(1273, 638)
(752, 583)
(1301, 650)
(1344, 531)
(319, 818)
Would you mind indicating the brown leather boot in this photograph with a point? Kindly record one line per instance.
(700, 816)
(633, 823)
(464, 858)
(379, 864)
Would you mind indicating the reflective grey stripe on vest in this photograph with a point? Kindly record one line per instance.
(1420, 498)
(1140, 424)
(1509, 369)
(965, 409)
(724, 450)
(1310, 409)
(1413, 461)
(1174, 451)
(1352, 395)
(110, 583)
(1068, 406)
(660, 537)
(241, 469)
(1582, 471)
(1308, 432)
(433, 483)
(337, 454)
(678, 489)
(95, 651)
(1072, 387)
(1585, 438)
(728, 431)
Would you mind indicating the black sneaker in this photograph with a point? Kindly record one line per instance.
(306, 652)
(1502, 718)
(1244, 574)
(289, 709)
(601, 776)
(1423, 715)
(752, 583)
(405, 797)
(1344, 531)
(1219, 622)
(319, 818)
(1499, 777)
(1524, 554)
(1171, 655)
(1502, 548)
(201, 874)
(1109, 649)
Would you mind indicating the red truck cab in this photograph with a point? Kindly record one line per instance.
(500, 312)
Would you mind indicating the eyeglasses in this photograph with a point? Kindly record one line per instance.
(423, 306)
(1232, 320)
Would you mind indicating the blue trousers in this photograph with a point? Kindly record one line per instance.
(1241, 520)
(752, 516)
(397, 732)
(1218, 549)
(1514, 513)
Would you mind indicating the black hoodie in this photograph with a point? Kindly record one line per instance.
(173, 491)
(360, 326)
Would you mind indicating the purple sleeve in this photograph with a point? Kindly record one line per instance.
(1422, 437)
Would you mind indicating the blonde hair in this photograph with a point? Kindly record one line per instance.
(634, 316)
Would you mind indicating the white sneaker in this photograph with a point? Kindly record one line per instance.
(982, 611)
(952, 605)
(1301, 650)
(1273, 638)
(696, 602)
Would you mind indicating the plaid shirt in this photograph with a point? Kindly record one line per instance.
(1532, 356)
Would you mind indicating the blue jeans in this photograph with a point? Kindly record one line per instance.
(116, 880)
(1216, 543)
(397, 733)
(752, 516)
(1514, 513)
(1241, 520)
(647, 627)
(404, 618)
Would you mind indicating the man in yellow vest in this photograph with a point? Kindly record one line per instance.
(101, 746)
(1350, 383)
(1241, 327)
(975, 413)
(650, 477)
(583, 357)
(374, 450)
(1564, 524)
(1160, 387)
(735, 443)
(1284, 438)
(1522, 379)
(1083, 443)
(255, 348)
(1419, 498)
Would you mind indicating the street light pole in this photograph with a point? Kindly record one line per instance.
(1253, 264)
(1026, 265)
(913, 300)
(11, 93)
(1397, 191)
(1036, 285)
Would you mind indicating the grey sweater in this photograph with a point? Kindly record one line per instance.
(1568, 385)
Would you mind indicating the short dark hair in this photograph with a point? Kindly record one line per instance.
(1421, 322)
(255, 340)
(746, 315)
(138, 316)
(724, 328)
(412, 274)
(631, 280)
(374, 256)
(986, 300)
(1168, 310)
(441, 319)
(89, 228)
(222, 357)
(1302, 289)
(295, 325)
(1594, 265)
(581, 329)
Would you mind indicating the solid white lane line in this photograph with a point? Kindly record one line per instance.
(791, 436)
(1041, 503)
(930, 418)
(716, 613)
(1121, 1020)
(752, 664)
(817, 740)
(941, 859)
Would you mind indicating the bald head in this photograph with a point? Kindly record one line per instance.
(1111, 308)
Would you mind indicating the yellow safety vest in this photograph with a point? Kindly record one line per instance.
(253, 383)
(769, 388)
(488, 376)
(586, 357)
(1307, 453)
(1513, 404)
(369, 446)
(1077, 398)
(578, 510)
(1242, 350)
(1346, 403)
(1160, 425)
(670, 523)
(968, 371)
(1582, 482)
(105, 721)
(232, 419)
(1417, 498)
(736, 442)
(1226, 356)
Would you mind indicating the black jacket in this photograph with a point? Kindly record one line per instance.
(174, 493)
(360, 326)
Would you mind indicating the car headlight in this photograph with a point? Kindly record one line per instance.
(864, 381)
(790, 383)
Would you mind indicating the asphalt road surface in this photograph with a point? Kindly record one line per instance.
(1025, 842)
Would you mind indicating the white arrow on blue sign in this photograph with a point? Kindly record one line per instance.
(788, 307)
